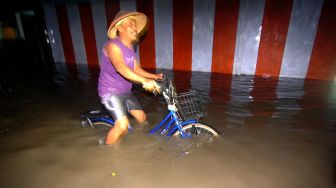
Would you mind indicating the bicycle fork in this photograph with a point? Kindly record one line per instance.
(169, 120)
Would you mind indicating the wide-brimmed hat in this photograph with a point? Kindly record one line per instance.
(140, 18)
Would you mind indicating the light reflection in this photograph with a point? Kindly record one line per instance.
(239, 102)
(257, 38)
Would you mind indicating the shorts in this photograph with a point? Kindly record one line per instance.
(118, 105)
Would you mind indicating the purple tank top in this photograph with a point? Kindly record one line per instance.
(110, 81)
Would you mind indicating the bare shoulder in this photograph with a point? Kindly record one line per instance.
(112, 48)
(115, 55)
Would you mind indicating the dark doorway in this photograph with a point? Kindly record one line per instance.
(26, 54)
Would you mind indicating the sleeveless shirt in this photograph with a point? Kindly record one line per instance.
(110, 81)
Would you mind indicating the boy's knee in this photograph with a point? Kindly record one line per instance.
(122, 124)
(142, 118)
(139, 115)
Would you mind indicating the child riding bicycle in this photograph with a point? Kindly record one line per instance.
(119, 70)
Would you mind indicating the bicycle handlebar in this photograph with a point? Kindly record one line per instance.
(167, 89)
(187, 105)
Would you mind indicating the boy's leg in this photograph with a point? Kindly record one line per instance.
(115, 106)
(135, 109)
(120, 128)
(139, 115)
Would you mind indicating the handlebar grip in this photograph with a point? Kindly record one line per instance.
(163, 84)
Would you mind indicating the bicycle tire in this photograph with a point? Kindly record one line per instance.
(199, 130)
(102, 126)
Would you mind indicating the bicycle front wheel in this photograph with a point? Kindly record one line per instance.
(199, 130)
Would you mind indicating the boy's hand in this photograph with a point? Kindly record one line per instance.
(159, 76)
(151, 86)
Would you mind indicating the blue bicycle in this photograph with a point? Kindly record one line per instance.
(185, 112)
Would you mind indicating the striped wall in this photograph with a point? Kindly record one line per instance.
(281, 38)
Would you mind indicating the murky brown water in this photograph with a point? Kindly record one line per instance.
(273, 134)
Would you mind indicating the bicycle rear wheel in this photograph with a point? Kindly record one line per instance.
(199, 130)
(102, 126)
(102, 129)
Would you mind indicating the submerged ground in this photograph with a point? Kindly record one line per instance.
(274, 133)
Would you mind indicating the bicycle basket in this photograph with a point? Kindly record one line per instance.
(189, 105)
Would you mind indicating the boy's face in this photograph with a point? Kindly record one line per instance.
(128, 28)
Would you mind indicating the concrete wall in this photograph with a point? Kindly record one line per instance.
(287, 38)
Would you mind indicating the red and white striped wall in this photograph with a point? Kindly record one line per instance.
(281, 38)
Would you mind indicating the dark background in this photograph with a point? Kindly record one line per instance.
(26, 59)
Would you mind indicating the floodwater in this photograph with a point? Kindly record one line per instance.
(274, 133)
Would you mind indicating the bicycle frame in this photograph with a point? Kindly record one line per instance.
(169, 125)
(171, 122)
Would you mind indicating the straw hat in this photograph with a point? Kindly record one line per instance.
(140, 18)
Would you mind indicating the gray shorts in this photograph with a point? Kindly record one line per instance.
(119, 105)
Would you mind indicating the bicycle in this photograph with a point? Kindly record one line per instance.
(185, 112)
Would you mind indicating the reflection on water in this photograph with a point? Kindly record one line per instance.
(274, 133)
